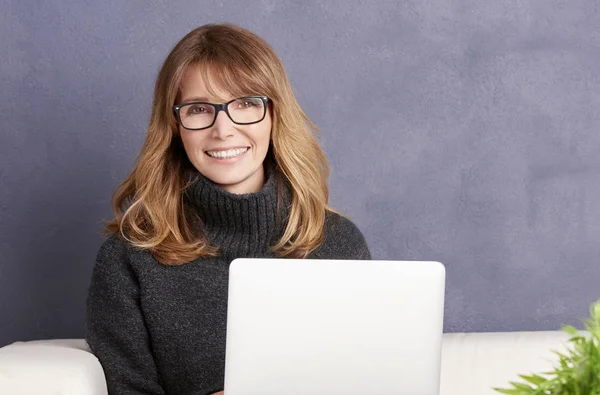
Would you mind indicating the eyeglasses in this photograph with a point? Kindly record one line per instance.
(242, 111)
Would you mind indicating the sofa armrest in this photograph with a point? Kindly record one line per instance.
(65, 367)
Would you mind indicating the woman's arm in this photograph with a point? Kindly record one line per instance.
(116, 332)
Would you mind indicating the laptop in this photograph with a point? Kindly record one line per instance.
(335, 327)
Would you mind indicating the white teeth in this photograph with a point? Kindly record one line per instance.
(227, 154)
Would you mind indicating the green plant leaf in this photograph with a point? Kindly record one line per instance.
(560, 354)
(571, 330)
(510, 391)
(534, 379)
(522, 386)
(595, 311)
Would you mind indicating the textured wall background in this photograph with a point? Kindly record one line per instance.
(460, 131)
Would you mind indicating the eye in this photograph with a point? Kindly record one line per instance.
(249, 103)
(198, 109)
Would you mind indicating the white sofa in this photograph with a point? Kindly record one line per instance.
(472, 363)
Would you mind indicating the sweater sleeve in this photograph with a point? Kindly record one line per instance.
(343, 240)
(116, 332)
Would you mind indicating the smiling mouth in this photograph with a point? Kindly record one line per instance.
(232, 153)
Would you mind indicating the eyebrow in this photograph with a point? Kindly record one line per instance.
(195, 98)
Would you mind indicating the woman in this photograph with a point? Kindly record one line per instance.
(229, 168)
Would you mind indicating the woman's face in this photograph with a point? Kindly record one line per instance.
(228, 154)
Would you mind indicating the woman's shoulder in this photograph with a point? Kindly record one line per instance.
(338, 223)
(115, 254)
(113, 246)
(343, 240)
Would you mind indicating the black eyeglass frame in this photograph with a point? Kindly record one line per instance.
(221, 107)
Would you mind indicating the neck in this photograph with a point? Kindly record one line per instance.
(252, 184)
(245, 224)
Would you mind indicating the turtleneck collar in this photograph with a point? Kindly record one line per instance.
(243, 225)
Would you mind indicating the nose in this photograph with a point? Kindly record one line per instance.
(223, 126)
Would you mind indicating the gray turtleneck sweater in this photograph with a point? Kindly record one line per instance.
(159, 329)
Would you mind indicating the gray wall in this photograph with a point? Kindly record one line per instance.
(459, 131)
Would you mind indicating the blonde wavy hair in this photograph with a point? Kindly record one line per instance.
(149, 205)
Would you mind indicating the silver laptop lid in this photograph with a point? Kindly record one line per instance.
(334, 327)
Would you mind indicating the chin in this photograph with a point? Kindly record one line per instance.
(237, 183)
(225, 179)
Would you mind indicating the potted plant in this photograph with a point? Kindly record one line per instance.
(578, 369)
